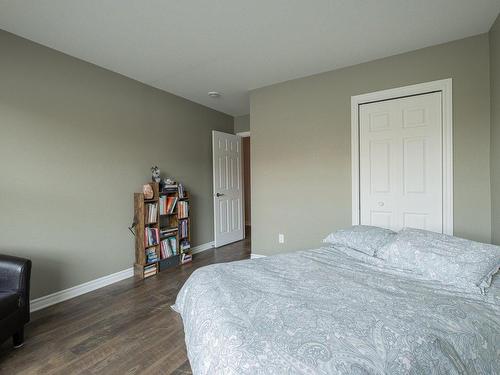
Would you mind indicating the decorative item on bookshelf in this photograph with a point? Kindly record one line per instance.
(162, 227)
(155, 174)
(147, 190)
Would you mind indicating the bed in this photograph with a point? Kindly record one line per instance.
(332, 311)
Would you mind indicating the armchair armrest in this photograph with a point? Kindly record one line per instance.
(15, 274)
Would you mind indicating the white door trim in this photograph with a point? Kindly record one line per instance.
(244, 134)
(445, 87)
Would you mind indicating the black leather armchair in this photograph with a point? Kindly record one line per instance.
(15, 276)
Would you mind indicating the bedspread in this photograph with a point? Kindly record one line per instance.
(324, 312)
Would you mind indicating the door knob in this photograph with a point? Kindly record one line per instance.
(381, 204)
(219, 195)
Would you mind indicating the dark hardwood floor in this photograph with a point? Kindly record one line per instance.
(124, 328)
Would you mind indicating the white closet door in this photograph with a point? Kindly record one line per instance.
(401, 168)
(228, 188)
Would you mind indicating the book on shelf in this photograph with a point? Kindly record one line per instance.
(184, 245)
(163, 205)
(150, 270)
(149, 273)
(167, 231)
(183, 228)
(169, 188)
(151, 236)
(167, 205)
(182, 209)
(168, 247)
(151, 255)
(180, 191)
(185, 258)
(151, 212)
(171, 201)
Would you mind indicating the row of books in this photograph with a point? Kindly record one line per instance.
(151, 236)
(174, 188)
(168, 247)
(184, 245)
(167, 205)
(164, 232)
(151, 212)
(150, 270)
(170, 188)
(183, 209)
(151, 255)
(183, 228)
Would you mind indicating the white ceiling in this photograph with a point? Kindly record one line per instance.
(190, 47)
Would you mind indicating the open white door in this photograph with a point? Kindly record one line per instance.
(228, 188)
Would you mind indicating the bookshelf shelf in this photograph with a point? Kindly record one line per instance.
(158, 220)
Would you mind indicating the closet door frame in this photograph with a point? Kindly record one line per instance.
(445, 87)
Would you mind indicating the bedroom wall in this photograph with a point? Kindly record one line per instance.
(301, 162)
(241, 124)
(76, 141)
(495, 130)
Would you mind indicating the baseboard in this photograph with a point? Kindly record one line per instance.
(257, 256)
(202, 247)
(78, 290)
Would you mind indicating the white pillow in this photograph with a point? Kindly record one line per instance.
(363, 238)
(451, 260)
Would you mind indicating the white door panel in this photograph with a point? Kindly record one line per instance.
(228, 193)
(401, 163)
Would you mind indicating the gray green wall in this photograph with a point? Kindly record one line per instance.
(242, 124)
(300, 149)
(495, 130)
(76, 141)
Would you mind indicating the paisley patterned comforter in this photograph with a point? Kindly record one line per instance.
(325, 312)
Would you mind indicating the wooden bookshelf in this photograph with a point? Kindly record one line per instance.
(160, 223)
